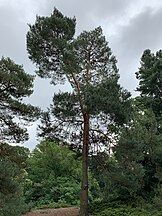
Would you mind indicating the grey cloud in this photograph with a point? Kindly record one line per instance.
(33, 139)
(142, 32)
(11, 39)
(90, 13)
(13, 45)
(43, 92)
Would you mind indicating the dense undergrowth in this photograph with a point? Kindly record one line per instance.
(118, 208)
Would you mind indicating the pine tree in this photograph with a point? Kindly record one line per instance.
(150, 80)
(15, 84)
(83, 115)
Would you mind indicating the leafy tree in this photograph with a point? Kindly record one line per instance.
(15, 84)
(54, 175)
(96, 101)
(12, 165)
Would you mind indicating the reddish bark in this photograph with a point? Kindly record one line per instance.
(84, 188)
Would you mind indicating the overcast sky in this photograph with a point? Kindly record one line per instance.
(129, 26)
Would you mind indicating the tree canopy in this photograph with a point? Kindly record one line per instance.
(150, 81)
(150, 75)
(53, 175)
(87, 63)
(15, 84)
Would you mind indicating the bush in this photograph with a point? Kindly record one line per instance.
(51, 205)
(124, 211)
(14, 206)
(12, 164)
(118, 208)
(100, 205)
(53, 175)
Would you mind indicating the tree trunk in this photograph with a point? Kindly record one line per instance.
(84, 188)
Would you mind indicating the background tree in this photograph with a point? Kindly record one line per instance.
(136, 172)
(132, 173)
(150, 81)
(12, 164)
(54, 175)
(96, 100)
(150, 87)
(15, 84)
(137, 153)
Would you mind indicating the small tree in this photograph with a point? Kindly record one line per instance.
(96, 101)
(53, 175)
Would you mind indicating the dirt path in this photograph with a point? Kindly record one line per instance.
(55, 212)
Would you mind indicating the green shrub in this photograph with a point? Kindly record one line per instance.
(124, 211)
(51, 205)
(12, 164)
(100, 205)
(14, 206)
(118, 208)
(54, 176)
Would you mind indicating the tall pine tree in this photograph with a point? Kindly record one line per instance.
(82, 116)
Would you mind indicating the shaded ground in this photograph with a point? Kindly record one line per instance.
(55, 212)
